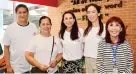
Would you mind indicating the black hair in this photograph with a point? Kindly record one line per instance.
(122, 33)
(98, 8)
(44, 17)
(21, 5)
(74, 30)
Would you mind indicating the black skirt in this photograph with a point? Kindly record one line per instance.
(75, 66)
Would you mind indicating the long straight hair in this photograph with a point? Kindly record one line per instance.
(74, 30)
(89, 26)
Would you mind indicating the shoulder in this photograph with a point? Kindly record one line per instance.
(33, 27)
(35, 37)
(56, 39)
(104, 30)
(11, 27)
(126, 43)
(103, 42)
(32, 24)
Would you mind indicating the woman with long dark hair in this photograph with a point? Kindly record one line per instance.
(71, 38)
(93, 34)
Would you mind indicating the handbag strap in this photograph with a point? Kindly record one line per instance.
(52, 48)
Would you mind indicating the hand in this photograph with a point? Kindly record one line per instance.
(10, 69)
(43, 67)
(53, 64)
(3, 63)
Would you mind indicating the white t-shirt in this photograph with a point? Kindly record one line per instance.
(17, 37)
(72, 50)
(91, 42)
(42, 46)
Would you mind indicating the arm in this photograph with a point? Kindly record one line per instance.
(56, 61)
(7, 59)
(100, 56)
(59, 57)
(30, 58)
(7, 42)
(59, 54)
(130, 62)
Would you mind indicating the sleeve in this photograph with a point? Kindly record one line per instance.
(129, 56)
(31, 46)
(82, 38)
(104, 31)
(81, 32)
(6, 39)
(59, 45)
(36, 30)
(100, 55)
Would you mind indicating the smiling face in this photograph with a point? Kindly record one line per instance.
(114, 29)
(69, 20)
(22, 14)
(92, 14)
(45, 26)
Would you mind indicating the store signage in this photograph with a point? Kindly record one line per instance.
(107, 6)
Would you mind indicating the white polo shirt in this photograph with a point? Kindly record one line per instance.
(72, 50)
(17, 37)
(91, 42)
(42, 46)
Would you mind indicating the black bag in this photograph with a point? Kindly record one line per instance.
(37, 70)
(1, 51)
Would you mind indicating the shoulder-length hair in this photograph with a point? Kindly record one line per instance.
(74, 30)
(89, 25)
(122, 33)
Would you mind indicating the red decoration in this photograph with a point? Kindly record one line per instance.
(53, 3)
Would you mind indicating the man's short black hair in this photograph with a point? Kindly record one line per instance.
(21, 5)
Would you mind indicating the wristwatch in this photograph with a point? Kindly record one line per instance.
(56, 61)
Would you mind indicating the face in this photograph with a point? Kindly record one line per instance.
(114, 29)
(45, 26)
(22, 14)
(68, 20)
(92, 14)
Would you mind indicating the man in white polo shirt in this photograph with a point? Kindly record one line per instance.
(15, 41)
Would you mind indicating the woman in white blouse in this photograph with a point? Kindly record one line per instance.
(93, 34)
(44, 50)
(71, 38)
